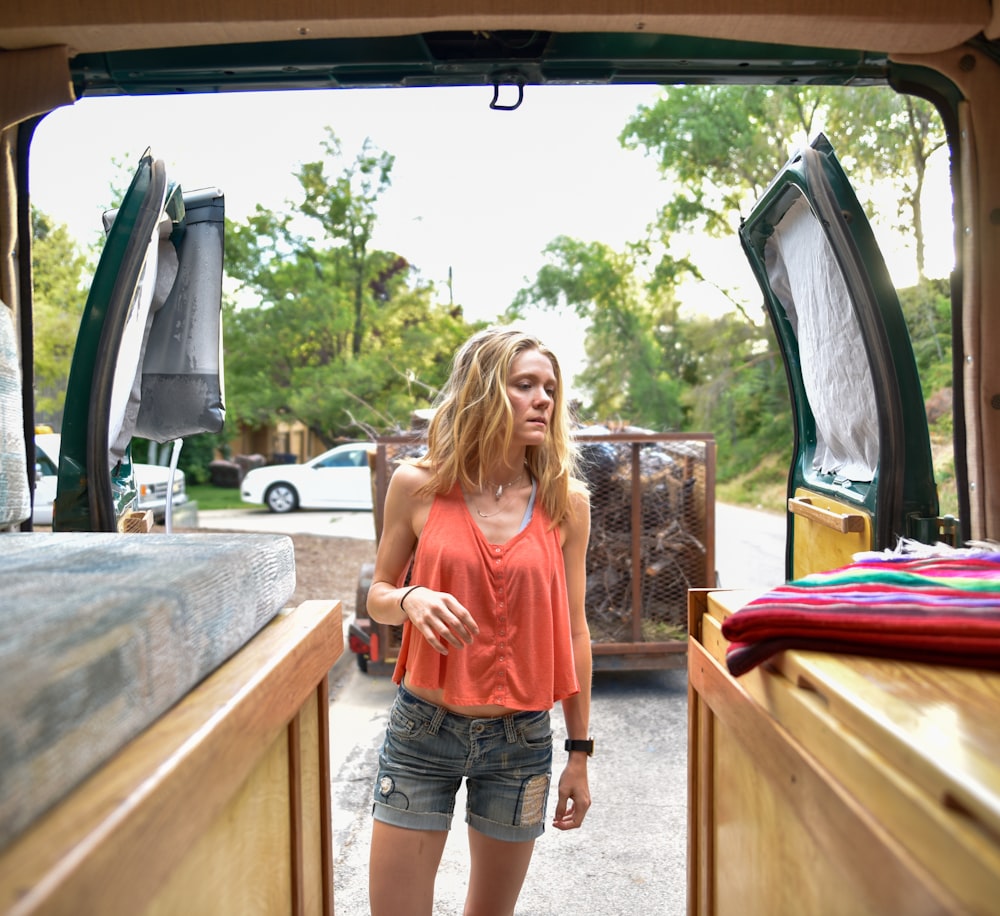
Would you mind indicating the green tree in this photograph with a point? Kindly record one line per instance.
(59, 270)
(927, 310)
(325, 329)
(345, 209)
(890, 138)
(719, 146)
(637, 360)
(742, 395)
(886, 137)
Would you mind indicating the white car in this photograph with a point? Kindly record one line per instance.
(337, 479)
(151, 480)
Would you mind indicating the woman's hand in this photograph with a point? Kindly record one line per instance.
(574, 795)
(440, 618)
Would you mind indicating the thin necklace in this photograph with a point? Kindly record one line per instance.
(497, 495)
(482, 514)
(500, 487)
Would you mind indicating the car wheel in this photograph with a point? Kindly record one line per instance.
(281, 497)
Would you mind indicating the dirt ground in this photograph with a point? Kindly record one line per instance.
(329, 567)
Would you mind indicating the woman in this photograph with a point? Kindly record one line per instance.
(494, 630)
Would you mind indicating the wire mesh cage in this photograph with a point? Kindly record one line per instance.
(652, 533)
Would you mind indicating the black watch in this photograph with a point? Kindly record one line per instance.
(586, 746)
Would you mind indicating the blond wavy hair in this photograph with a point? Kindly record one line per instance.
(474, 420)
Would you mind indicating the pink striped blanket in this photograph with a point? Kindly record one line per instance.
(943, 609)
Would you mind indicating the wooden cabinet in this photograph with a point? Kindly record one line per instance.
(837, 784)
(222, 806)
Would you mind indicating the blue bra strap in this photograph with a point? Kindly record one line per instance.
(531, 505)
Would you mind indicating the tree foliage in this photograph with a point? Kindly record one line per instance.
(718, 146)
(927, 310)
(885, 137)
(637, 364)
(59, 269)
(337, 334)
(741, 395)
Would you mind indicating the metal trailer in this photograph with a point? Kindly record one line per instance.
(652, 539)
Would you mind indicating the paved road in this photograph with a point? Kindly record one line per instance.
(333, 524)
(749, 547)
(630, 856)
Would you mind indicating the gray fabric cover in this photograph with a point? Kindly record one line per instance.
(100, 634)
(15, 498)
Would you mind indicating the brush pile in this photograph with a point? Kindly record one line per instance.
(650, 524)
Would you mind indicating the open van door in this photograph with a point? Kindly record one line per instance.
(147, 358)
(861, 475)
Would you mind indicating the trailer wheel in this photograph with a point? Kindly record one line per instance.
(361, 595)
(361, 606)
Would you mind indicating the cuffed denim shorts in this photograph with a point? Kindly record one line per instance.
(428, 751)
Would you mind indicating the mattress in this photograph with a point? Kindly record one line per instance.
(100, 634)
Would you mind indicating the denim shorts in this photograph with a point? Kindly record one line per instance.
(506, 762)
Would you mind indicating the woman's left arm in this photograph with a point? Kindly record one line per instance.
(574, 790)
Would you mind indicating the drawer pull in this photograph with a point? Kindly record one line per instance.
(838, 521)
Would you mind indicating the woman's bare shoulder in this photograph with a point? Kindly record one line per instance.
(409, 477)
(579, 493)
(575, 527)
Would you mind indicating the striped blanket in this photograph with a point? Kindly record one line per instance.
(943, 609)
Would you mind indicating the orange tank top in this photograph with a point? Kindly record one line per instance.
(523, 655)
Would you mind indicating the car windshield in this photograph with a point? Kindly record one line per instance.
(353, 458)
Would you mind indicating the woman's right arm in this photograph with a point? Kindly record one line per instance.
(438, 616)
(395, 546)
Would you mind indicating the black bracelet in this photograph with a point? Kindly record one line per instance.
(578, 745)
(405, 594)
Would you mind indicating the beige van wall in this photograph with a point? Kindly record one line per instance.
(889, 25)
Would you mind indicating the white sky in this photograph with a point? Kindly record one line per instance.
(478, 191)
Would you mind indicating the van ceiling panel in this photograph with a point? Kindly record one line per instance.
(467, 58)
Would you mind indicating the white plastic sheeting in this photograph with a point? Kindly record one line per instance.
(806, 278)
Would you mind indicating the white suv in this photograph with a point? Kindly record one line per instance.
(151, 480)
